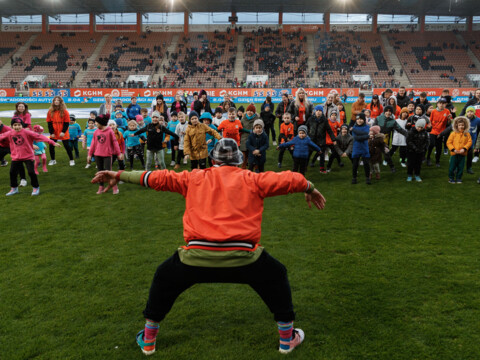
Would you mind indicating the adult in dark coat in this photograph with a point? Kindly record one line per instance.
(202, 104)
(282, 108)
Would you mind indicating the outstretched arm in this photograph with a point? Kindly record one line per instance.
(316, 198)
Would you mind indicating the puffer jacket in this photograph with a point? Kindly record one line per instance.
(360, 141)
(195, 144)
(344, 144)
(318, 129)
(257, 142)
(459, 140)
(417, 141)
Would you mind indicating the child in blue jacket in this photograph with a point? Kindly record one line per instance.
(360, 133)
(302, 144)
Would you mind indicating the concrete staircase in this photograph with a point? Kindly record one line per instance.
(238, 71)
(8, 66)
(395, 62)
(90, 61)
(312, 63)
(171, 49)
(471, 55)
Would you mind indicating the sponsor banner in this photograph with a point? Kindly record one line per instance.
(433, 92)
(116, 28)
(445, 27)
(351, 27)
(49, 92)
(22, 28)
(7, 92)
(69, 27)
(163, 28)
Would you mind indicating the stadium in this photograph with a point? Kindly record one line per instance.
(387, 270)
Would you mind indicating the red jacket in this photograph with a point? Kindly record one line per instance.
(58, 124)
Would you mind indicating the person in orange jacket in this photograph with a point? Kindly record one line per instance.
(458, 143)
(58, 120)
(222, 230)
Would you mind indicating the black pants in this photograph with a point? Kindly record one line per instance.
(17, 168)
(66, 145)
(470, 157)
(4, 151)
(103, 163)
(414, 163)
(402, 152)
(267, 276)
(270, 129)
(260, 166)
(317, 154)
(173, 143)
(437, 142)
(334, 155)
(282, 151)
(300, 165)
(180, 156)
(136, 150)
(195, 163)
(121, 163)
(366, 166)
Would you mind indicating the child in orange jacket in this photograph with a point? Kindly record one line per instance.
(286, 134)
(458, 143)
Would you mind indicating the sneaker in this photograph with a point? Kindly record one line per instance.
(12, 191)
(100, 190)
(437, 164)
(361, 163)
(147, 348)
(328, 170)
(445, 152)
(326, 158)
(279, 165)
(323, 171)
(478, 181)
(368, 181)
(475, 160)
(418, 179)
(169, 151)
(52, 162)
(72, 162)
(36, 191)
(172, 163)
(115, 190)
(185, 161)
(274, 143)
(403, 164)
(384, 163)
(459, 181)
(429, 162)
(4, 163)
(409, 178)
(354, 181)
(23, 182)
(176, 167)
(87, 166)
(451, 181)
(470, 171)
(297, 338)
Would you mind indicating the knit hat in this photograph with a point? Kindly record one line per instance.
(73, 117)
(102, 120)
(111, 122)
(159, 97)
(241, 108)
(470, 108)
(192, 114)
(16, 120)
(258, 122)
(139, 118)
(118, 112)
(361, 116)
(252, 107)
(421, 123)
(388, 108)
(219, 110)
(421, 106)
(303, 128)
(206, 115)
(334, 112)
(226, 151)
(344, 126)
(319, 107)
(94, 112)
(38, 129)
(375, 129)
(155, 114)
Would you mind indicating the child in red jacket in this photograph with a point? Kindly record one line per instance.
(286, 134)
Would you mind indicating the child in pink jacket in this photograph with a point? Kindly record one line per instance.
(21, 148)
(104, 145)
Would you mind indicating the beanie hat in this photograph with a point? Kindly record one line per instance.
(94, 112)
(118, 112)
(192, 114)
(344, 126)
(16, 120)
(138, 118)
(319, 107)
(102, 120)
(375, 129)
(258, 122)
(388, 108)
(252, 107)
(421, 123)
(159, 97)
(334, 112)
(154, 114)
(241, 108)
(73, 117)
(111, 122)
(206, 115)
(303, 128)
(361, 116)
(38, 129)
(470, 108)
(226, 151)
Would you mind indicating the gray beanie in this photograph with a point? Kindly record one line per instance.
(258, 122)
(226, 151)
(303, 128)
(421, 123)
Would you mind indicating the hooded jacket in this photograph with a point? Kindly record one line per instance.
(318, 129)
(195, 144)
(387, 125)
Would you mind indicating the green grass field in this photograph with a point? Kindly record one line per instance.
(388, 271)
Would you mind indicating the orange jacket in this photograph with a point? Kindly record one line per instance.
(57, 122)
(357, 107)
(335, 126)
(224, 203)
(459, 141)
(286, 132)
(439, 120)
(375, 110)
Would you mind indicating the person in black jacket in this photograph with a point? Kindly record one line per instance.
(257, 145)
(402, 97)
(178, 105)
(282, 108)
(202, 104)
(417, 145)
(318, 128)
(472, 102)
(269, 120)
(156, 140)
(161, 107)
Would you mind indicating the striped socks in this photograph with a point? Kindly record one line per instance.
(285, 330)
(151, 331)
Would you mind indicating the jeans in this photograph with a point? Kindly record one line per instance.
(160, 158)
(74, 146)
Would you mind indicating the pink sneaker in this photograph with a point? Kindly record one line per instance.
(297, 338)
(115, 190)
(100, 190)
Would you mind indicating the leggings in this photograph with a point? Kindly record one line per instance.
(42, 157)
(366, 166)
(67, 147)
(103, 163)
(135, 150)
(267, 276)
(159, 157)
(180, 156)
(17, 168)
(121, 163)
(4, 151)
(201, 162)
(270, 129)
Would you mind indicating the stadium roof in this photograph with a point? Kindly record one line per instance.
(461, 8)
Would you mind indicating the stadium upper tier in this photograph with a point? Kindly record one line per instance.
(220, 59)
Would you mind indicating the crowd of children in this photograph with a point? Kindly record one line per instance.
(375, 133)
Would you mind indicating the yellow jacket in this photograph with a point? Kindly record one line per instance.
(195, 143)
(458, 141)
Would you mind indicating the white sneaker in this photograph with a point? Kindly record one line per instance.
(23, 182)
(87, 166)
(52, 162)
(403, 164)
(72, 162)
(298, 337)
(475, 159)
(384, 163)
(274, 143)
(172, 163)
(36, 191)
(12, 191)
(185, 161)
